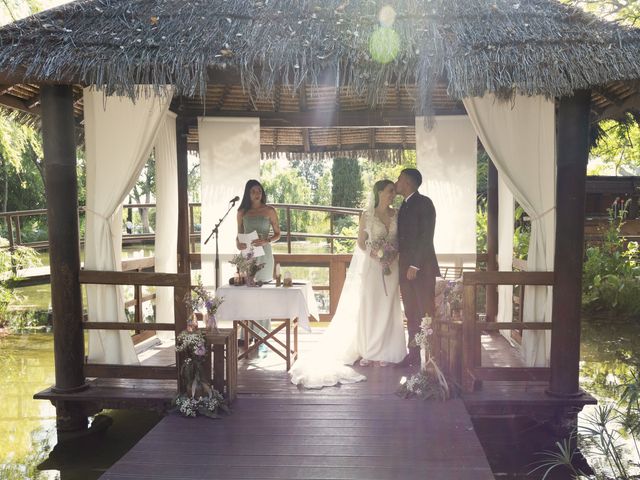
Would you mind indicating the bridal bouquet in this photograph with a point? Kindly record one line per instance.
(386, 252)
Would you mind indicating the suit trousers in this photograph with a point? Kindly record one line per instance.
(418, 298)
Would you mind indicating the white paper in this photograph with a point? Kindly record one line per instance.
(247, 238)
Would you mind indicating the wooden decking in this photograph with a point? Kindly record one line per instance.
(277, 431)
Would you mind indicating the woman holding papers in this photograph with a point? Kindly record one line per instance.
(254, 215)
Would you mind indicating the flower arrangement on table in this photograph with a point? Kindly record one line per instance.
(385, 251)
(247, 265)
(200, 300)
(200, 398)
(429, 382)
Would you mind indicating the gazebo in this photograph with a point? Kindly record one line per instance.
(315, 78)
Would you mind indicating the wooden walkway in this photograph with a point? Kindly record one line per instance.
(276, 431)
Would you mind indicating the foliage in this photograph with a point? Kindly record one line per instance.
(610, 278)
(286, 186)
(521, 234)
(200, 398)
(482, 176)
(18, 259)
(347, 186)
(618, 146)
(346, 226)
(625, 11)
(481, 227)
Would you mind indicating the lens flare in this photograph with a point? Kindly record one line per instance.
(384, 45)
(387, 16)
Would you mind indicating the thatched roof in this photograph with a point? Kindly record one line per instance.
(475, 46)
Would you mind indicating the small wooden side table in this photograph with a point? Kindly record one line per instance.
(222, 349)
(262, 336)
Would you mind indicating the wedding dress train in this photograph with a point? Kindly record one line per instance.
(368, 321)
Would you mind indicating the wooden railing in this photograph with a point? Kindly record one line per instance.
(473, 372)
(137, 279)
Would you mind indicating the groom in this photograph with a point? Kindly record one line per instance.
(417, 257)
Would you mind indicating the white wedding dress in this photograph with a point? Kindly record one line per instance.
(368, 321)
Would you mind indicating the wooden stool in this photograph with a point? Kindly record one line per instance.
(262, 336)
(222, 350)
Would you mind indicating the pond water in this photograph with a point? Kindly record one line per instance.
(27, 427)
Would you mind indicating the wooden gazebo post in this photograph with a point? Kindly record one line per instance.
(572, 152)
(59, 146)
(184, 263)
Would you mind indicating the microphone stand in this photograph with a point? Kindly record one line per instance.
(215, 232)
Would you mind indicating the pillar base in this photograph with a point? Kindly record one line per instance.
(554, 394)
(71, 417)
(79, 388)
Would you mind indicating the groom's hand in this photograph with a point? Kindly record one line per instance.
(412, 272)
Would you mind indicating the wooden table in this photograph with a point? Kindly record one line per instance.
(291, 306)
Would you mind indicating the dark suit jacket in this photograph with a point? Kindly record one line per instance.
(416, 224)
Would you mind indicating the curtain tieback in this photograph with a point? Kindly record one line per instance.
(87, 209)
(543, 214)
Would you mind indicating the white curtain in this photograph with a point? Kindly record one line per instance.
(229, 156)
(166, 216)
(505, 251)
(119, 135)
(520, 138)
(447, 159)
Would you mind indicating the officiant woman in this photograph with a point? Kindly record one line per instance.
(255, 214)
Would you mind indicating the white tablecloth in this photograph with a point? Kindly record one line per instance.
(268, 301)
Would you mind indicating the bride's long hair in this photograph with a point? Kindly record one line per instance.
(379, 186)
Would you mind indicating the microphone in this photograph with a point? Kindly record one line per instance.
(234, 199)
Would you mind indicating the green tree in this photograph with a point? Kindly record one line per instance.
(347, 185)
(286, 186)
(312, 171)
(626, 11)
(617, 148)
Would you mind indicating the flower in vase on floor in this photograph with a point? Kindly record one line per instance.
(429, 383)
(200, 398)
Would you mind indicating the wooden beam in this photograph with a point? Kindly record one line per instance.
(617, 111)
(302, 97)
(134, 278)
(572, 147)
(508, 278)
(225, 93)
(492, 239)
(130, 371)
(127, 326)
(184, 265)
(490, 326)
(306, 141)
(59, 146)
(517, 374)
(327, 119)
(372, 139)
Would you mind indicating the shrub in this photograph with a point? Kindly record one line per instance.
(611, 273)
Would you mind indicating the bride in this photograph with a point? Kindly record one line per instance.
(368, 321)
